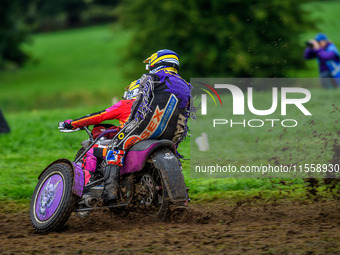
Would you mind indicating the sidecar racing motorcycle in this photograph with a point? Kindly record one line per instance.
(151, 181)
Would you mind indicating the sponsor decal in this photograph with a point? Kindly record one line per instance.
(157, 124)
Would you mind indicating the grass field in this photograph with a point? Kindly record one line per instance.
(69, 68)
(35, 141)
(78, 71)
(311, 141)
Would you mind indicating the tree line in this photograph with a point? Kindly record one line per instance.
(215, 38)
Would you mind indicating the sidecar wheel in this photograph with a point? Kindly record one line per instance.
(53, 201)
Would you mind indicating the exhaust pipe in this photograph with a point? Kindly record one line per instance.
(90, 201)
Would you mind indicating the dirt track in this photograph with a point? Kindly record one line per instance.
(260, 228)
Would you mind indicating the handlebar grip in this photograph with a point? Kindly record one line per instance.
(64, 130)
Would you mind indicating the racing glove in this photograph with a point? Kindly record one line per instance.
(66, 124)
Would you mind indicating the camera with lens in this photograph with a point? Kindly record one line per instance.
(309, 44)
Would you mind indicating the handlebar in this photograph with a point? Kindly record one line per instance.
(65, 130)
(88, 131)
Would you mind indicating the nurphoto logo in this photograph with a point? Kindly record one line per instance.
(300, 97)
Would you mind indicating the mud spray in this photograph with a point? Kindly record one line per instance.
(325, 142)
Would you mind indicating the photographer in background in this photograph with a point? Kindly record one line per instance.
(328, 58)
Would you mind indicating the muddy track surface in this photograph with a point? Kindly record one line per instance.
(244, 228)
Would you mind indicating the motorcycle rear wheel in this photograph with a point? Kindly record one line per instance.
(53, 201)
(154, 194)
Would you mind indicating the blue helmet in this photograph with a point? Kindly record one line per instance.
(163, 59)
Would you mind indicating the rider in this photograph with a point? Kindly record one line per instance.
(160, 111)
(120, 111)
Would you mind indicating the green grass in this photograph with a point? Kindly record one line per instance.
(35, 141)
(78, 67)
(311, 141)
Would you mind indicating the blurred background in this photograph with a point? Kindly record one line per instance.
(67, 53)
(64, 59)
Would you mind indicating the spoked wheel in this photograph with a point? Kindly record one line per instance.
(53, 201)
(153, 194)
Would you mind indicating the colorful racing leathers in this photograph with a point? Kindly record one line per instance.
(160, 111)
(120, 111)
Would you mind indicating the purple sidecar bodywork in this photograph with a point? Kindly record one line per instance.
(134, 161)
(136, 157)
(79, 178)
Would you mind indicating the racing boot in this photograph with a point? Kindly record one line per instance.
(111, 183)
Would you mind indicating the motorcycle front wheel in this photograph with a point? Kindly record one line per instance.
(53, 201)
